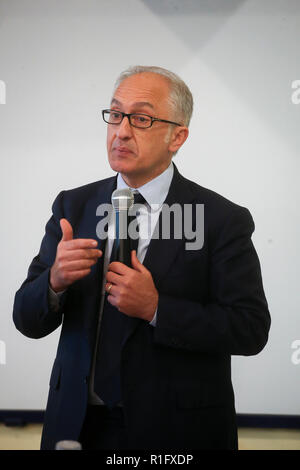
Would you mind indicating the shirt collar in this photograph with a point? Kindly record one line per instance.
(156, 190)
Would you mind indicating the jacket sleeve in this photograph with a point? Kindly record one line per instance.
(236, 319)
(33, 313)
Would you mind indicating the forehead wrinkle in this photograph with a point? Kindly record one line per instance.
(136, 104)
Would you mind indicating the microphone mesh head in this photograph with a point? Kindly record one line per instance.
(122, 199)
(68, 445)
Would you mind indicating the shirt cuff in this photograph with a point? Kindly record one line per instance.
(54, 298)
(153, 321)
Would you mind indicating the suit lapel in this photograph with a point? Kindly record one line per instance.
(161, 251)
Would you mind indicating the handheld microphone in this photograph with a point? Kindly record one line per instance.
(122, 200)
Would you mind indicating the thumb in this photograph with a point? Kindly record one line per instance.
(135, 263)
(67, 231)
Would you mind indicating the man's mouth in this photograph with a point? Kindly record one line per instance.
(122, 150)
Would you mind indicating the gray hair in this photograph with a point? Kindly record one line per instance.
(180, 98)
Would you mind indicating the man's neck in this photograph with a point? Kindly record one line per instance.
(136, 181)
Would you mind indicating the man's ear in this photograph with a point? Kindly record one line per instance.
(178, 137)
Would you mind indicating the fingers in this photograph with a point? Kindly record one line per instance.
(76, 260)
(120, 275)
(80, 243)
(66, 228)
(113, 277)
(67, 236)
(119, 272)
(73, 255)
(108, 287)
(78, 265)
(135, 263)
(112, 294)
(118, 268)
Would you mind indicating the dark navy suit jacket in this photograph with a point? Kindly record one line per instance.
(176, 376)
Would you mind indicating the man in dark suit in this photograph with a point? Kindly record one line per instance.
(184, 311)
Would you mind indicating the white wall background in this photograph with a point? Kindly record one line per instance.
(59, 59)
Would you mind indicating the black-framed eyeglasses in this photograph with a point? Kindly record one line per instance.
(142, 121)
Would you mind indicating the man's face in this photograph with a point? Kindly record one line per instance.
(141, 154)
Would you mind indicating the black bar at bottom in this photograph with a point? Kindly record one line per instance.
(22, 417)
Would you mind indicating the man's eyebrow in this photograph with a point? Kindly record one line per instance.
(137, 104)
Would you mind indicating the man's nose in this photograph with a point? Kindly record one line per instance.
(124, 130)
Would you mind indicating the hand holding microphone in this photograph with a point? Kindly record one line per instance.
(132, 290)
(129, 283)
